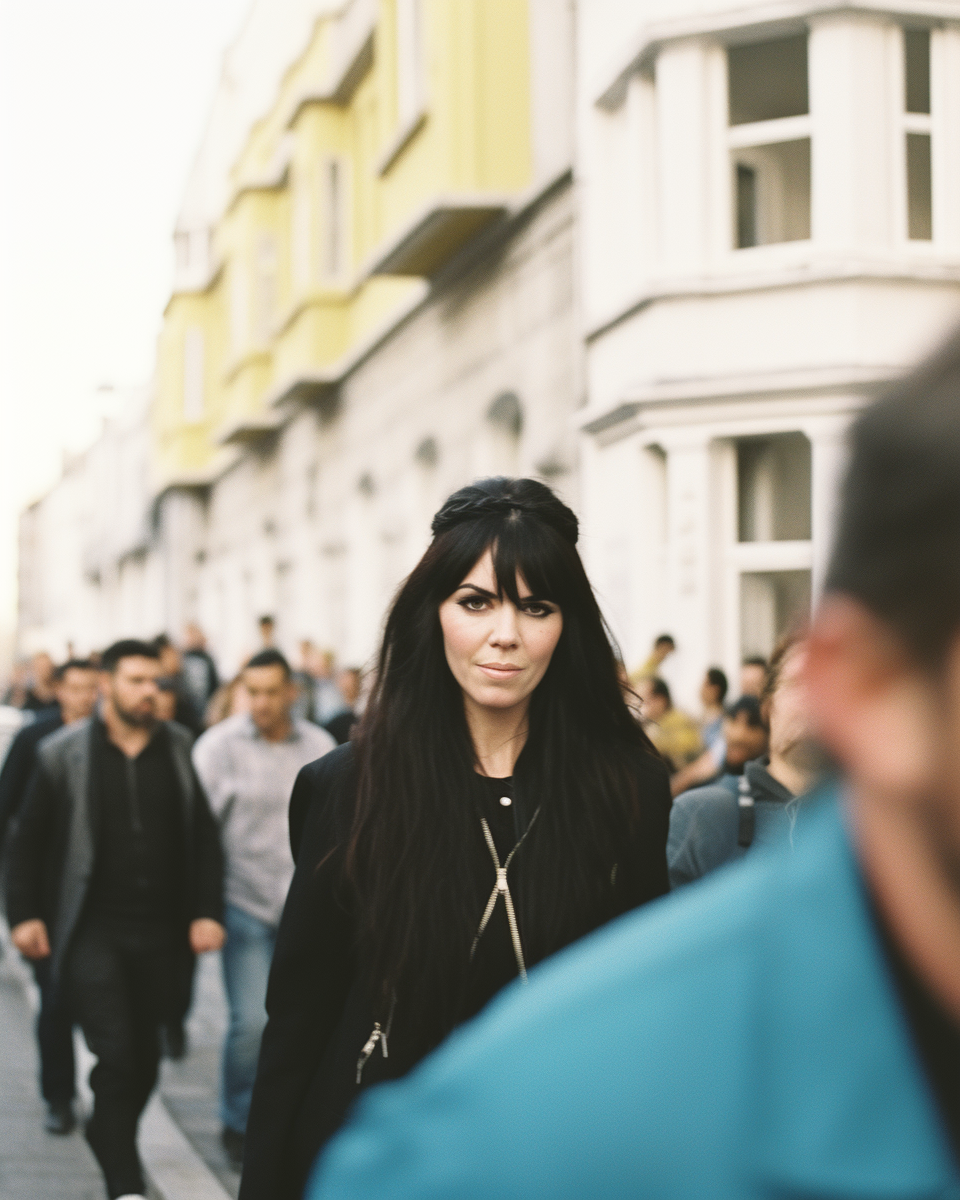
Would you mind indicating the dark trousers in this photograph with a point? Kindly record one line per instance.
(55, 1039)
(119, 978)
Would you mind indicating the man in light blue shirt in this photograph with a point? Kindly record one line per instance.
(248, 765)
(790, 1026)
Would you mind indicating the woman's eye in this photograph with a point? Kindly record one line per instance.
(537, 610)
(473, 603)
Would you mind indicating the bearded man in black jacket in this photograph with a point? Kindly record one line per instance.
(115, 872)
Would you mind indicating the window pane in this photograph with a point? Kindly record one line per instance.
(771, 602)
(746, 206)
(768, 80)
(772, 193)
(773, 488)
(917, 70)
(919, 188)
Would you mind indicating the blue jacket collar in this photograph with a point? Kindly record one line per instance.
(877, 1133)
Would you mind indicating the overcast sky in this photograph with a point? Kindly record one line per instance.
(103, 104)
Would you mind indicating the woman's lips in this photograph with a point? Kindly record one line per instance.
(499, 670)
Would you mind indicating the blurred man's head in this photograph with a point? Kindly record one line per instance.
(129, 670)
(744, 732)
(348, 681)
(656, 699)
(785, 708)
(753, 676)
(884, 661)
(267, 628)
(75, 686)
(166, 698)
(194, 637)
(271, 693)
(713, 690)
(663, 646)
(168, 655)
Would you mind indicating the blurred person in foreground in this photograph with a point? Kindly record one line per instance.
(75, 688)
(743, 736)
(790, 1026)
(715, 824)
(114, 872)
(674, 733)
(248, 764)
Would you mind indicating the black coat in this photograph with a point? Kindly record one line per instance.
(19, 764)
(54, 847)
(319, 1002)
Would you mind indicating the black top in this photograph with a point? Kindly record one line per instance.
(19, 763)
(936, 1034)
(139, 847)
(320, 1002)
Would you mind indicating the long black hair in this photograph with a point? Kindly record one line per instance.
(415, 860)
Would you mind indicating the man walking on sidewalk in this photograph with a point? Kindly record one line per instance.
(114, 868)
(248, 765)
(75, 687)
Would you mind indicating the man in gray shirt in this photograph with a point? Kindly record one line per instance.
(248, 764)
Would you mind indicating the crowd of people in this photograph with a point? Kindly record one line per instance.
(789, 1025)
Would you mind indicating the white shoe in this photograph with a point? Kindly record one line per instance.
(132, 1196)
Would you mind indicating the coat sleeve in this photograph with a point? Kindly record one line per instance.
(28, 846)
(15, 776)
(207, 860)
(313, 968)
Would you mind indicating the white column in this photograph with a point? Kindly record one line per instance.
(945, 119)
(856, 98)
(828, 461)
(690, 86)
(691, 589)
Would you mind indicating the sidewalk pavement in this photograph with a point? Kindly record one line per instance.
(35, 1165)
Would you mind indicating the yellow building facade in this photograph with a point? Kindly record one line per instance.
(399, 133)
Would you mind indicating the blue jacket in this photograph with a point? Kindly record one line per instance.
(705, 822)
(738, 1039)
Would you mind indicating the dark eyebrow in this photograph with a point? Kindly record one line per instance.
(479, 590)
(493, 596)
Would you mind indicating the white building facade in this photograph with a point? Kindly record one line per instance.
(770, 216)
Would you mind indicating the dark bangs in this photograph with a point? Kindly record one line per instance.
(520, 545)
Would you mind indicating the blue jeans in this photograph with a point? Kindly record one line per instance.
(246, 958)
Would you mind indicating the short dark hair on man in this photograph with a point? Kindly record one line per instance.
(270, 658)
(718, 679)
(659, 687)
(897, 548)
(665, 639)
(126, 648)
(750, 706)
(73, 664)
(266, 619)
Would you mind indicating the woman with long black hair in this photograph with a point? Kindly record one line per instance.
(498, 802)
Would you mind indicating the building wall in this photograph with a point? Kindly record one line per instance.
(319, 524)
(752, 273)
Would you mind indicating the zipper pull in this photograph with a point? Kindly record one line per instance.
(369, 1046)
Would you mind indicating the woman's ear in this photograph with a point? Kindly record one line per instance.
(871, 705)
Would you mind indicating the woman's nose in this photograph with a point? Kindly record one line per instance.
(505, 626)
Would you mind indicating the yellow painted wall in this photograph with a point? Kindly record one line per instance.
(474, 137)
